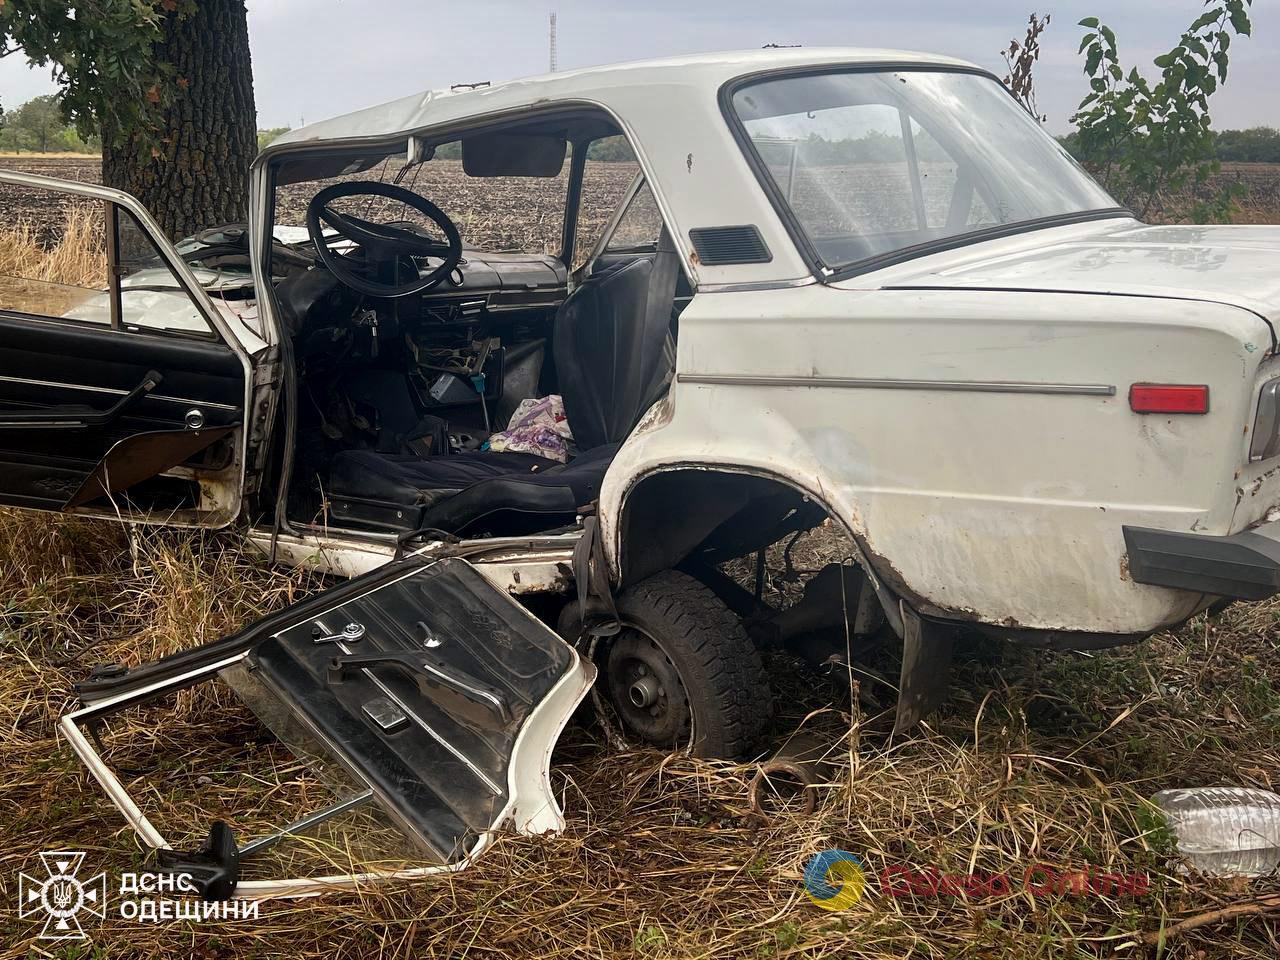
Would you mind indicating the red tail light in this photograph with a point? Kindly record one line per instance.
(1169, 398)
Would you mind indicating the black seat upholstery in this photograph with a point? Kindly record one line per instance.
(613, 349)
(614, 357)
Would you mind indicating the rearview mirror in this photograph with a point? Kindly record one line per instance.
(513, 155)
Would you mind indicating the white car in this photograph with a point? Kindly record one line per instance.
(854, 284)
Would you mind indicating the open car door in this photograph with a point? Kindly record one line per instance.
(424, 701)
(122, 387)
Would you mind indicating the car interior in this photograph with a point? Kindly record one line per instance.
(413, 349)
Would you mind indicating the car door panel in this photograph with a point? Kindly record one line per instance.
(71, 374)
(118, 374)
(420, 693)
(143, 455)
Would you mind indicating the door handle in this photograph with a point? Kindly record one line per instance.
(77, 417)
(432, 675)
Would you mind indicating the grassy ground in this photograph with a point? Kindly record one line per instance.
(1037, 758)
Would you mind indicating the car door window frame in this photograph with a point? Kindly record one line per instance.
(113, 261)
(606, 235)
(151, 230)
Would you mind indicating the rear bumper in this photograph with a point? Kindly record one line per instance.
(1244, 565)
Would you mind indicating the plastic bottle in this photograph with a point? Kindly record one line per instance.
(1225, 831)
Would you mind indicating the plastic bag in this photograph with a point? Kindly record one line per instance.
(539, 427)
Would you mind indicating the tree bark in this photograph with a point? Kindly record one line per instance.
(193, 172)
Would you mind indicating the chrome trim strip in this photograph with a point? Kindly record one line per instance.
(869, 383)
(749, 287)
(408, 710)
(69, 386)
(115, 392)
(195, 403)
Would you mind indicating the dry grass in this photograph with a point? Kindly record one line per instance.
(1037, 758)
(53, 275)
(75, 257)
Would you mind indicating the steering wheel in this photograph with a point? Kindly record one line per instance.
(382, 243)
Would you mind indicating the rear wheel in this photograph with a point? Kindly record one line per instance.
(682, 671)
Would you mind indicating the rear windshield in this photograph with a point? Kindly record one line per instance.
(871, 163)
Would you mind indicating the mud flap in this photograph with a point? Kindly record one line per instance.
(926, 668)
(438, 696)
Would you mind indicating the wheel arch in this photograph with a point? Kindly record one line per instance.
(670, 510)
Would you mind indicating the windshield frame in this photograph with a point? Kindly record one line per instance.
(826, 273)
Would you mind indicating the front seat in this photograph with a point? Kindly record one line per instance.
(614, 358)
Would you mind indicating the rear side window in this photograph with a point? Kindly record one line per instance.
(640, 225)
(889, 175)
(610, 169)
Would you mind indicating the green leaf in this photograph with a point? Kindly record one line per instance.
(1240, 22)
(1205, 19)
(1092, 62)
(1164, 61)
(1108, 35)
(1086, 40)
(1090, 22)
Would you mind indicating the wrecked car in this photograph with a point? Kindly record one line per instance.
(845, 284)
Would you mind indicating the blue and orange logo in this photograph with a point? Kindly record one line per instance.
(834, 879)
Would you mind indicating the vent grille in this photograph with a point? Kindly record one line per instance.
(717, 246)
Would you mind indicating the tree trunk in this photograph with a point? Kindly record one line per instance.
(193, 173)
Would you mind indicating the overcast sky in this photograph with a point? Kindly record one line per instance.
(314, 59)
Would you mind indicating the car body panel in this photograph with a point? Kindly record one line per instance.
(940, 428)
(1222, 264)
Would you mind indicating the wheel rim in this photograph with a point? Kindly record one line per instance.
(645, 689)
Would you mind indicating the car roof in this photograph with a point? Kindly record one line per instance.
(597, 84)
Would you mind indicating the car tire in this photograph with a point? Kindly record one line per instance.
(675, 625)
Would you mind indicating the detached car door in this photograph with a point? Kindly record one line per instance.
(121, 391)
(419, 703)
